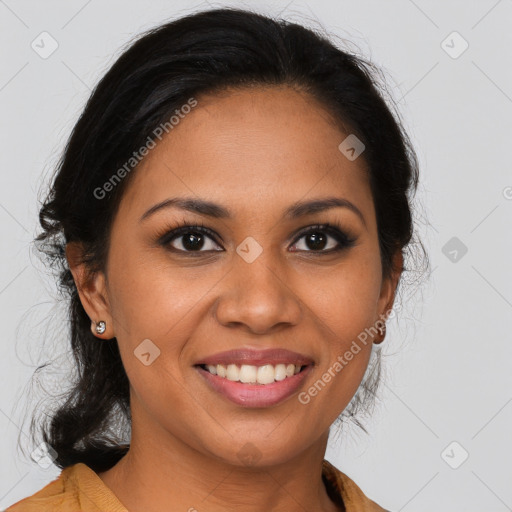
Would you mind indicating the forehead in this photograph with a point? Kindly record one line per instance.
(260, 147)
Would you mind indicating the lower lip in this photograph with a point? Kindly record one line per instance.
(255, 395)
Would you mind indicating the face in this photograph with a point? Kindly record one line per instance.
(260, 287)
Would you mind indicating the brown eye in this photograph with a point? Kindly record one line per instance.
(190, 239)
(323, 238)
(317, 241)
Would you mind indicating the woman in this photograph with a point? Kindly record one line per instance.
(229, 219)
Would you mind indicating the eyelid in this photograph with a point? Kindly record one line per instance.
(332, 229)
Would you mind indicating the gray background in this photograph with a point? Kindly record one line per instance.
(448, 351)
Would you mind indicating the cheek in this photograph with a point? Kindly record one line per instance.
(345, 302)
(154, 298)
(157, 311)
(160, 314)
(345, 309)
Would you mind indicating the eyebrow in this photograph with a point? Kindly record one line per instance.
(216, 211)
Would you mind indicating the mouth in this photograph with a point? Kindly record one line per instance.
(255, 378)
(252, 374)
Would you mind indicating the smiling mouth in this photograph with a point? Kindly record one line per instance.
(251, 374)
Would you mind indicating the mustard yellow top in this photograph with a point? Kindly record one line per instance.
(79, 489)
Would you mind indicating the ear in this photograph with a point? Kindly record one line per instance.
(92, 290)
(389, 286)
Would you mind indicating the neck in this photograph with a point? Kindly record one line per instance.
(160, 470)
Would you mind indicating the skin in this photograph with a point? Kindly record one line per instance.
(254, 151)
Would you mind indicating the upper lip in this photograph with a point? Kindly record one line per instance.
(256, 357)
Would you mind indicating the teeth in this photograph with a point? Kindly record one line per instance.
(250, 374)
(280, 373)
(266, 374)
(233, 372)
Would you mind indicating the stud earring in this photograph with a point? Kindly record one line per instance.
(101, 326)
(382, 332)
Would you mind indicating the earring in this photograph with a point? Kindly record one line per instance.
(382, 332)
(101, 326)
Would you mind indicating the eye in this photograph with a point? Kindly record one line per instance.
(323, 238)
(190, 239)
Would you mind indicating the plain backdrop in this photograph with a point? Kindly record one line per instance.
(440, 438)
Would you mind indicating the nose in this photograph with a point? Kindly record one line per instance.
(257, 297)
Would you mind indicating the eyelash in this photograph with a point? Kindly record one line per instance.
(182, 228)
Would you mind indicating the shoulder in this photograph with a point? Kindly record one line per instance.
(52, 495)
(347, 491)
(77, 489)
